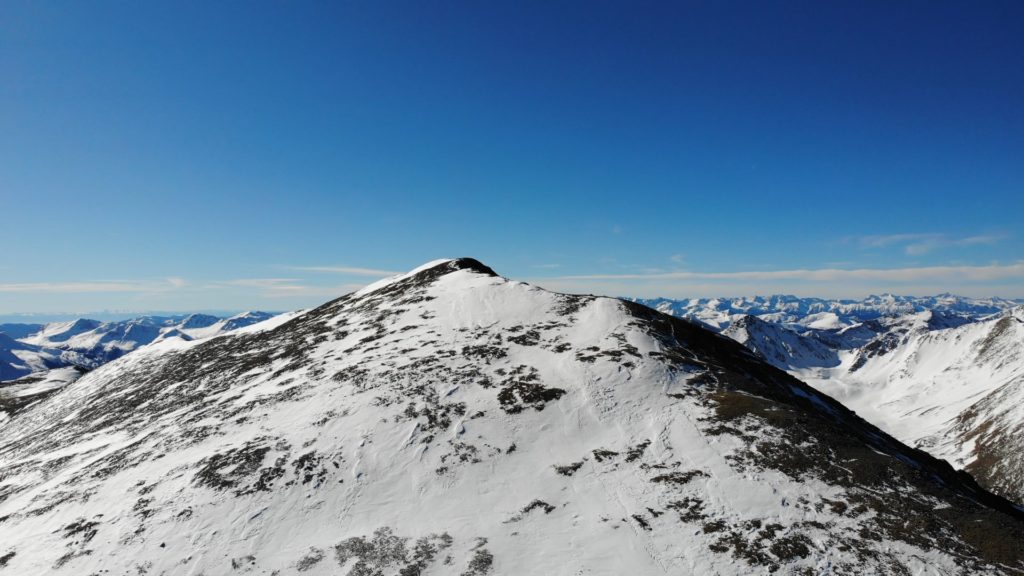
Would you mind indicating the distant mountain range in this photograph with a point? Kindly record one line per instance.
(37, 359)
(39, 318)
(821, 313)
(944, 373)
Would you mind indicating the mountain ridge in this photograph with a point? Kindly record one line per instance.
(452, 413)
(920, 375)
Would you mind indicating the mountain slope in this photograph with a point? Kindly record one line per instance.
(956, 392)
(780, 346)
(17, 331)
(19, 359)
(99, 342)
(909, 365)
(449, 421)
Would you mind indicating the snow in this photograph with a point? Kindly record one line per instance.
(373, 287)
(820, 313)
(917, 391)
(942, 373)
(128, 444)
(90, 343)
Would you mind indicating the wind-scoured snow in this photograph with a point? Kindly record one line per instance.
(452, 422)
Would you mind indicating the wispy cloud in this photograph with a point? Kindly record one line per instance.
(919, 244)
(547, 266)
(353, 270)
(987, 280)
(258, 282)
(287, 287)
(93, 286)
(972, 273)
(268, 287)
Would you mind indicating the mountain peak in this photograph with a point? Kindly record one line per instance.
(427, 273)
(448, 421)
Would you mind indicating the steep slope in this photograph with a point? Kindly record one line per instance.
(18, 394)
(19, 359)
(955, 392)
(449, 421)
(56, 332)
(892, 333)
(779, 346)
(905, 364)
(241, 321)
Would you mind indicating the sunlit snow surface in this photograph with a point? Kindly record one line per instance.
(58, 353)
(957, 393)
(943, 373)
(453, 422)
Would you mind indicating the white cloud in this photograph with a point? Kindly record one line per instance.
(288, 287)
(93, 286)
(918, 244)
(258, 282)
(64, 287)
(836, 282)
(972, 273)
(355, 271)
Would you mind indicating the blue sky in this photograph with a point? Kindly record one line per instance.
(187, 155)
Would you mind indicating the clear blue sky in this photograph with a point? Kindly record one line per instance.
(182, 155)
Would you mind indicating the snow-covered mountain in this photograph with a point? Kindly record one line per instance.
(101, 342)
(47, 357)
(20, 330)
(18, 394)
(942, 373)
(452, 422)
(956, 392)
(90, 343)
(19, 359)
(823, 314)
(780, 346)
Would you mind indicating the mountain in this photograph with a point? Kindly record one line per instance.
(29, 373)
(941, 373)
(100, 342)
(957, 392)
(19, 359)
(779, 346)
(823, 314)
(17, 331)
(51, 356)
(451, 422)
(20, 393)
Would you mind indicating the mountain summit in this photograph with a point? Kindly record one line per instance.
(452, 422)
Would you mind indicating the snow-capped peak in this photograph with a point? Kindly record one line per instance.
(452, 422)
